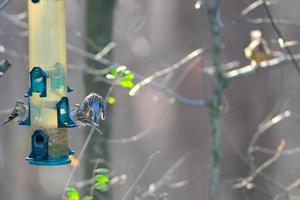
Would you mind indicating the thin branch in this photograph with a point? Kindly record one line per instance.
(4, 4)
(268, 21)
(253, 6)
(140, 175)
(288, 189)
(178, 98)
(253, 69)
(105, 50)
(281, 37)
(14, 20)
(258, 170)
(263, 127)
(293, 185)
(166, 177)
(272, 152)
(85, 182)
(165, 71)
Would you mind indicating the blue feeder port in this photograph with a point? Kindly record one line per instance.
(40, 151)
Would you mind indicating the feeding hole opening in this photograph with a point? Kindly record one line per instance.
(39, 139)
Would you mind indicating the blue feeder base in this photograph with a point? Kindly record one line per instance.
(64, 160)
(50, 162)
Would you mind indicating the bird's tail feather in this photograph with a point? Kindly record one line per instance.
(5, 122)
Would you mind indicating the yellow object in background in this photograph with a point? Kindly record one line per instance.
(257, 51)
(47, 48)
(111, 100)
(74, 162)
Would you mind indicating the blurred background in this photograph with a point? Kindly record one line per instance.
(150, 36)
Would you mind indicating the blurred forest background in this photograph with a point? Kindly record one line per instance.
(150, 35)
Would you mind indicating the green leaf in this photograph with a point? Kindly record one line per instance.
(102, 170)
(72, 194)
(100, 186)
(125, 83)
(87, 198)
(113, 71)
(129, 76)
(100, 178)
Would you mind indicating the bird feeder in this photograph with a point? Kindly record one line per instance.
(48, 103)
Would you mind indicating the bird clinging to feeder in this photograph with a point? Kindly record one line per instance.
(90, 112)
(47, 112)
(19, 113)
(257, 51)
(94, 104)
(79, 117)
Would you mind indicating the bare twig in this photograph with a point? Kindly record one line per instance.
(252, 69)
(105, 50)
(281, 37)
(293, 185)
(288, 189)
(258, 170)
(165, 71)
(268, 21)
(166, 178)
(140, 175)
(263, 127)
(253, 6)
(4, 4)
(272, 152)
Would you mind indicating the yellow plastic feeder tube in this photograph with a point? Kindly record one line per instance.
(48, 102)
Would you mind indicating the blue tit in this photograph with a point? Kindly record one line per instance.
(18, 114)
(95, 104)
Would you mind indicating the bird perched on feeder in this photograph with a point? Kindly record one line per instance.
(95, 104)
(79, 117)
(19, 113)
(257, 51)
(82, 118)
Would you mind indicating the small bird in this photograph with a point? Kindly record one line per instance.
(19, 113)
(4, 65)
(257, 51)
(94, 103)
(79, 117)
(82, 118)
